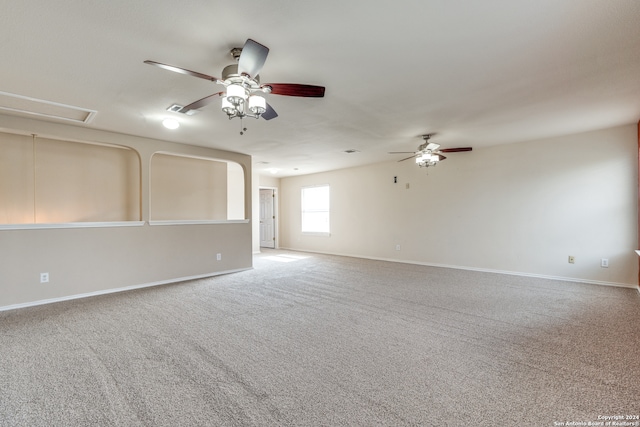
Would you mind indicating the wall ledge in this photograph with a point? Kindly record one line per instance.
(199, 222)
(105, 224)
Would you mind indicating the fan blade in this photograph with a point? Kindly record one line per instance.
(411, 157)
(440, 157)
(252, 58)
(293, 89)
(269, 114)
(181, 70)
(455, 150)
(201, 102)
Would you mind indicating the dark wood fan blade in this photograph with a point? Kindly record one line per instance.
(411, 157)
(201, 102)
(252, 58)
(181, 70)
(440, 157)
(269, 114)
(293, 89)
(455, 150)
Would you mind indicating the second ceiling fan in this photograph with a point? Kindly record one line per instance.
(429, 153)
(242, 96)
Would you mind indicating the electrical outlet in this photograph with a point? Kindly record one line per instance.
(572, 259)
(44, 277)
(604, 263)
(397, 247)
(219, 257)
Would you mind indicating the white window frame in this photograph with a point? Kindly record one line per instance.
(304, 209)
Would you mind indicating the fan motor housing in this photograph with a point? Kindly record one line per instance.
(231, 72)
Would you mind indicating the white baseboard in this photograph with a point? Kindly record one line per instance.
(183, 279)
(485, 270)
(115, 290)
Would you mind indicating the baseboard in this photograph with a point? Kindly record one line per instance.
(485, 270)
(116, 290)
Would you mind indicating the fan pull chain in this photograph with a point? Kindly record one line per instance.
(242, 130)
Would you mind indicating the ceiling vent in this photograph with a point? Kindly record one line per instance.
(175, 108)
(46, 109)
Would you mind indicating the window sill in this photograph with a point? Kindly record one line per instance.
(316, 233)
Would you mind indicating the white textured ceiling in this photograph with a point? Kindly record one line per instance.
(478, 73)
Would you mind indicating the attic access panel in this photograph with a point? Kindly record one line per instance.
(24, 105)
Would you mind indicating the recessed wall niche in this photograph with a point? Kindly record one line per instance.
(46, 180)
(186, 188)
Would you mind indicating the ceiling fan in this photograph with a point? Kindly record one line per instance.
(429, 153)
(242, 95)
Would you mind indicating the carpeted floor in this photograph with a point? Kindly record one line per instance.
(316, 340)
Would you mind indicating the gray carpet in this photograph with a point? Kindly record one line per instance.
(316, 340)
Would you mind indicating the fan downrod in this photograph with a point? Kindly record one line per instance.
(235, 53)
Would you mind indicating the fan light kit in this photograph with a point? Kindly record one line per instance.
(242, 96)
(429, 153)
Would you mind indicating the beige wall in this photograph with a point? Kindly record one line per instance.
(46, 180)
(17, 179)
(82, 261)
(269, 181)
(184, 188)
(235, 191)
(521, 208)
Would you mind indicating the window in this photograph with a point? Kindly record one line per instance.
(315, 209)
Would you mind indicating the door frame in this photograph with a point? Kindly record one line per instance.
(276, 220)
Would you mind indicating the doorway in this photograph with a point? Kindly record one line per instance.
(267, 218)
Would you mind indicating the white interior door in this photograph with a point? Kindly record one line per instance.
(267, 219)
